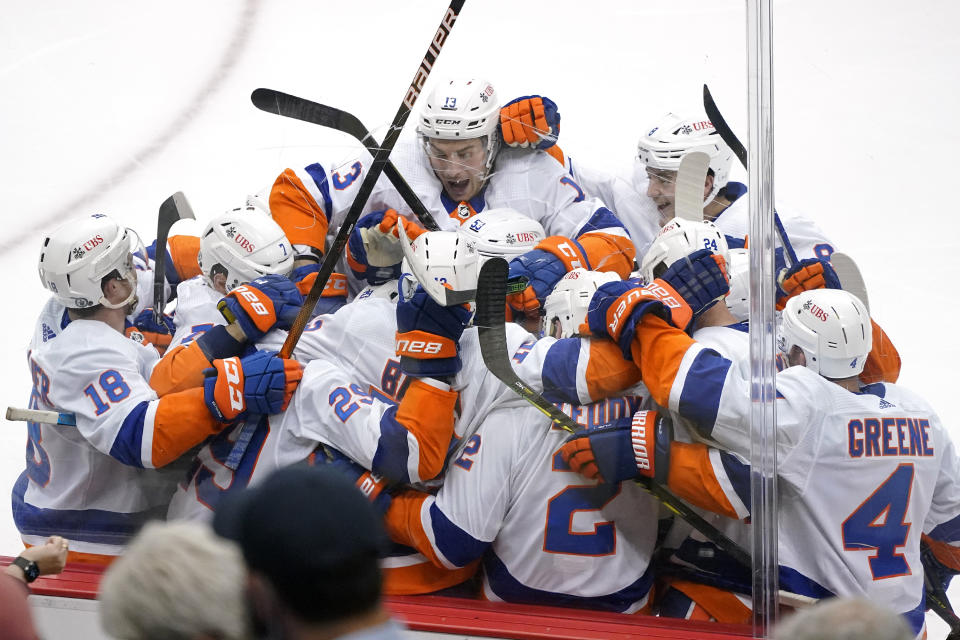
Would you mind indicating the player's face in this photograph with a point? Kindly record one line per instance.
(661, 190)
(459, 164)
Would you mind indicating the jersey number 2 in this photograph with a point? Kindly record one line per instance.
(559, 536)
(878, 525)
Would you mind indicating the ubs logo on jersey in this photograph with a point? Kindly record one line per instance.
(244, 243)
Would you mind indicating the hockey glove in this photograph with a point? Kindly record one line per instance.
(334, 294)
(618, 307)
(542, 267)
(428, 335)
(372, 486)
(373, 250)
(259, 383)
(181, 262)
(530, 121)
(630, 447)
(262, 304)
(700, 279)
(159, 335)
(812, 273)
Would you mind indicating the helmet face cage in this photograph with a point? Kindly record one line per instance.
(243, 244)
(831, 327)
(79, 254)
(565, 309)
(501, 232)
(677, 239)
(738, 270)
(672, 137)
(462, 110)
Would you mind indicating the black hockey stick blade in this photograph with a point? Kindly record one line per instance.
(174, 208)
(298, 108)
(376, 168)
(850, 278)
(688, 198)
(491, 326)
(728, 136)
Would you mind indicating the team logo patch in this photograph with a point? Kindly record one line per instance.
(463, 211)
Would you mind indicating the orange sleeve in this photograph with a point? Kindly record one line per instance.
(947, 554)
(182, 421)
(405, 526)
(179, 369)
(883, 361)
(692, 478)
(297, 212)
(662, 347)
(183, 251)
(428, 413)
(608, 252)
(557, 154)
(608, 374)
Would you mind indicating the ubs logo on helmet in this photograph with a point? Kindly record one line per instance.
(93, 242)
(526, 236)
(244, 243)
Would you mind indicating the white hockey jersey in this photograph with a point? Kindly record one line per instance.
(857, 470)
(544, 533)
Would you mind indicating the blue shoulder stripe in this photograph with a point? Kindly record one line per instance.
(319, 175)
(949, 531)
(601, 219)
(390, 459)
(559, 372)
(127, 445)
(457, 546)
(739, 474)
(702, 387)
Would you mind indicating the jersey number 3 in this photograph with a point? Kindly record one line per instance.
(878, 525)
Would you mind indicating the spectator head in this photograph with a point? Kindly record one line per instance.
(176, 580)
(844, 619)
(311, 542)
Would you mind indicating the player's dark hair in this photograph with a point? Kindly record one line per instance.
(351, 589)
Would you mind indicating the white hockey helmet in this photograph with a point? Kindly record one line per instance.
(677, 239)
(462, 110)
(738, 270)
(832, 328)
(502, 233)
(79, 254)
(565, 309)
(243, 244)
(672, 137)
(444, 263)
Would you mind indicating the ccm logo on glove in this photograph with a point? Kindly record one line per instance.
(231, 369)
(570, 252)
(251, 296)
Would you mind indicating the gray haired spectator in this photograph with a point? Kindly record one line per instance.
(844, 619)
(175, 581)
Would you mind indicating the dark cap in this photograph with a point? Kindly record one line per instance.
(300, 521)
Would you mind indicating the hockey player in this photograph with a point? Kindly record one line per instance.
(457, 168)
(95, 482)
(898, 464)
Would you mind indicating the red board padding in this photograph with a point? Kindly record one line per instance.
(470, 617)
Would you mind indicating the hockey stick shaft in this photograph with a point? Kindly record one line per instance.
(173, 208)
(284, 104)
(46, 417)
(376, 168)
(716, 118)
(491, 326)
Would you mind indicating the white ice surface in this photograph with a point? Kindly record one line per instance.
(112, 106)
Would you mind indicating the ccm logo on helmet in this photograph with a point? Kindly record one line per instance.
(231, 368)
(244, 243)
(446, 121)
(95, 241)
(250, 296)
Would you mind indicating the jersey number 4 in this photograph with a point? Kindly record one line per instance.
(878, 525)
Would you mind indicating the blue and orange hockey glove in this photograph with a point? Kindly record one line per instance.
(811, 273)
(262, 304)
(159, 335)
(334, 294)
(372, 486)
(626, 449)
(261, 383)
(700, 279)
(181, 262)
(530, 121)
(373, 250)
(428, 334)
(542, 268)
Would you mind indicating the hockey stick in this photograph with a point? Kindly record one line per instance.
(36, 415)
(284, 104)
(491, 324)
(936, 595)
(850, 278)
(716, 118)
(688, 198)
(173, 208)
(787, 598)
(376, 168)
